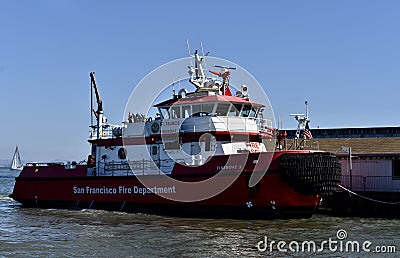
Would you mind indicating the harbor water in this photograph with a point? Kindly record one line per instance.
(28, 232)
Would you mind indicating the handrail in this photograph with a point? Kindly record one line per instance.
(299, 144)
(129, 167)
(44, 164)
(371, 183)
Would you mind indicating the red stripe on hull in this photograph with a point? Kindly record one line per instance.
(186, 137)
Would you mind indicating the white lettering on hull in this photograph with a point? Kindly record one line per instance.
(124, 190)
(229, 167)
(155, 189)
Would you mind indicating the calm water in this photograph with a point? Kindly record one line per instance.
(65, 233)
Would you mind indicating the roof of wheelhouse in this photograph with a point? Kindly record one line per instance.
(207, 99)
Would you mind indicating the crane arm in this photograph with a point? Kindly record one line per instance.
(96, 91)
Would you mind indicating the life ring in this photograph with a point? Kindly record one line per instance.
(122, 153)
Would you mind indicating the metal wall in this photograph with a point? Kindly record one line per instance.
(369, 175)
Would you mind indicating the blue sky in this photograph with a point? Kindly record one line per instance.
(341, 56)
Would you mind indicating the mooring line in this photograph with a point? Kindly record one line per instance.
(367, 198)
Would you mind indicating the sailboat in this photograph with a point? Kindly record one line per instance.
(16, 163)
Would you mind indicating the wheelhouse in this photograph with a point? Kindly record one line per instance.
(209, 106)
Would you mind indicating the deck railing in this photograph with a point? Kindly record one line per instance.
(297, 144)
(128, 168)
(143, 166)
(371, 183)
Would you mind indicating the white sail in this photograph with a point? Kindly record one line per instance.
(16, 163)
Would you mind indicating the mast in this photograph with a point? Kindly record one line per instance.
(306, 103)
(16, 163)
(196, 73)
(302, 124)
(203, 83)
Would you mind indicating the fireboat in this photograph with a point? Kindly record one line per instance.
(178, 162)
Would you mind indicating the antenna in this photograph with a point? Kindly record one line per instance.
(202, 51)
(188, 47)
(173, 88)
(306, 103)
(91, 108)
(279, 122)
(187, 44)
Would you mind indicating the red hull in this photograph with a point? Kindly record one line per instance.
(55, 186)
(270, 197)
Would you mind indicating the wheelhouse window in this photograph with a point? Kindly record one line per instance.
(246, 110)
(222, 109)
(202, 109)
(175, 112)
(249, 111)
(164, 111)
(235, 110)
(186, 111)
(196, 110)
(207, 108)
(253, 112)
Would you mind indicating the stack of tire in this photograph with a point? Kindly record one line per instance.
(311, 173)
